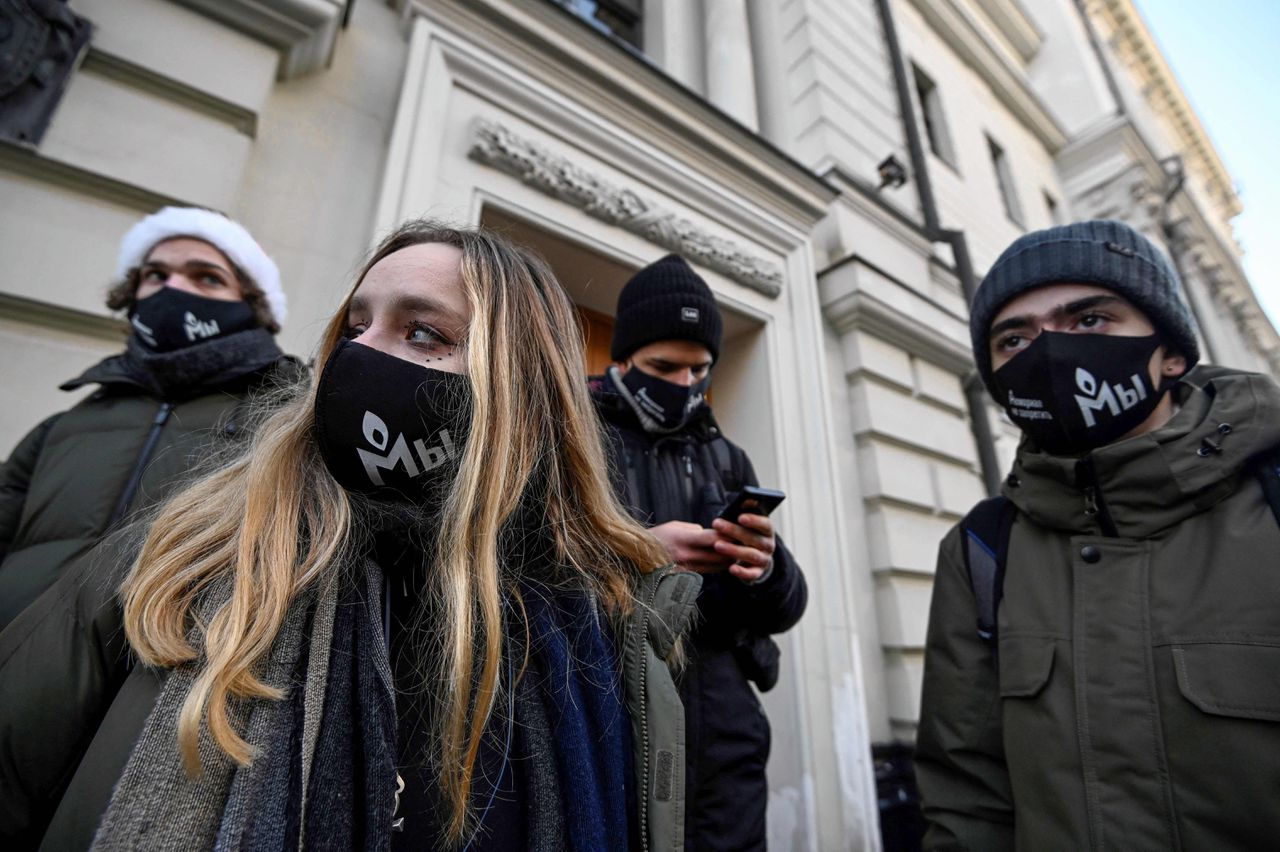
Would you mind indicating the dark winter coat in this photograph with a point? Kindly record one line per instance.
(689, 476)
(1135, 699)
(82, 472)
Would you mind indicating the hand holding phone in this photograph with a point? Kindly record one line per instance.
(752, 500)
(750, 545)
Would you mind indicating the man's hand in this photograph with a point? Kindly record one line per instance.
(748, 544)
(744, 549)
(692, 547)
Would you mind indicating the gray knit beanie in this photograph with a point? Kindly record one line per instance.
(1103, 252)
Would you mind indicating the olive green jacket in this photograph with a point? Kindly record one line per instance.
(118, 452)
(1135, 699)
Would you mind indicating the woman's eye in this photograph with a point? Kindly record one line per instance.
(423, 335)
(351, 332)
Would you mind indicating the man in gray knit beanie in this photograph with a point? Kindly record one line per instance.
(1102, 279)
(1100, 663)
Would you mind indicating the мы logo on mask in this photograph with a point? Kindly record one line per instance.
(196, 328)
(1098, 395)
(429, 458)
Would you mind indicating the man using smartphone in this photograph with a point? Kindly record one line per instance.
(675, 469)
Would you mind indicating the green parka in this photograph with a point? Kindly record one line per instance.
(1135, 700)
(79, 473)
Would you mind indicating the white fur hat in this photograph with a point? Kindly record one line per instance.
(227, 236)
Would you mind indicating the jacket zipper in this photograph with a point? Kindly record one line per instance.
(643, 794)
(688, 479)
(1094, 505)
(135, 478)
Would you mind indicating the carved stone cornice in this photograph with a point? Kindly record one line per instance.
(556, 175)
(1134, 46)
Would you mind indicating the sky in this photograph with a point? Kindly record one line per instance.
(1224, 54)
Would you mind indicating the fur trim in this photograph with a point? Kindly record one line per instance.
(227, 236)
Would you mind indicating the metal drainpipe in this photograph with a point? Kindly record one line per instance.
(1174, 244)
(974, 391)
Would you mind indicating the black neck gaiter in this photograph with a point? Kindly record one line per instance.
(387, 427)
(172, 319)
(1072, 393)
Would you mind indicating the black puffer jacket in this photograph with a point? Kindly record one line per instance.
(82, 472)
(690, 476)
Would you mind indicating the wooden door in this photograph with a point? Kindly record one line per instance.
(597, 330)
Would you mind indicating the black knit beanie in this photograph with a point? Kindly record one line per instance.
(666, 300)
(1103, 252)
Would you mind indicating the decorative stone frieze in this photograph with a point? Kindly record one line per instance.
(497, 146)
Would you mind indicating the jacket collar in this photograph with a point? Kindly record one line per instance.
(184, 372)
(1151, 482)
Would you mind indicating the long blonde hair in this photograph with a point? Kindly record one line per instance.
(534, 441)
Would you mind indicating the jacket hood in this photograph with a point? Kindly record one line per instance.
(1148, 483)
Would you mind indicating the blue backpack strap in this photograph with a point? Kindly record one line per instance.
(1268, 472)
(986, 532)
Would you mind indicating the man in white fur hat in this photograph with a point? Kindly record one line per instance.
(204, 302)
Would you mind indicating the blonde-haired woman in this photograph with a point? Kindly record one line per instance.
(411, 614)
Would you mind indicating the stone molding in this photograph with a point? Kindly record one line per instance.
(858, 296)
(955, 25)
(1133, 44)
(304, 31)
(556, 175)
(1015, 25)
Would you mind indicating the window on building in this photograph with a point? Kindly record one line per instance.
(1004, 178)
(1051, 204)
(618, 18)
(935, 124)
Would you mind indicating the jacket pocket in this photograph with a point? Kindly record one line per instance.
(1231, 679)
(1025, 664)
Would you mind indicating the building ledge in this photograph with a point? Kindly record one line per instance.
(1008, 83)
(1015, 25)
(304, 31)
(1135, 45)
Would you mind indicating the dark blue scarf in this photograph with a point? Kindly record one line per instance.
(573, 680)
(558, 778)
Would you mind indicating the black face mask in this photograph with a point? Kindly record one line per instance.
(663, 406)
(171, 319)
(389, 427)
(1072, 393)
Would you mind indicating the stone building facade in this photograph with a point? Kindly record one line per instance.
(751, 136)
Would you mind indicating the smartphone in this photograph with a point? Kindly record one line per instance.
(752, 501)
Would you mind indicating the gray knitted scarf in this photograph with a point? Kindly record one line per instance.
(157, 805)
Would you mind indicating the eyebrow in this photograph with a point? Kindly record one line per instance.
(664, 364)
(410, 303)
(194, 263)
(1070, 308)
